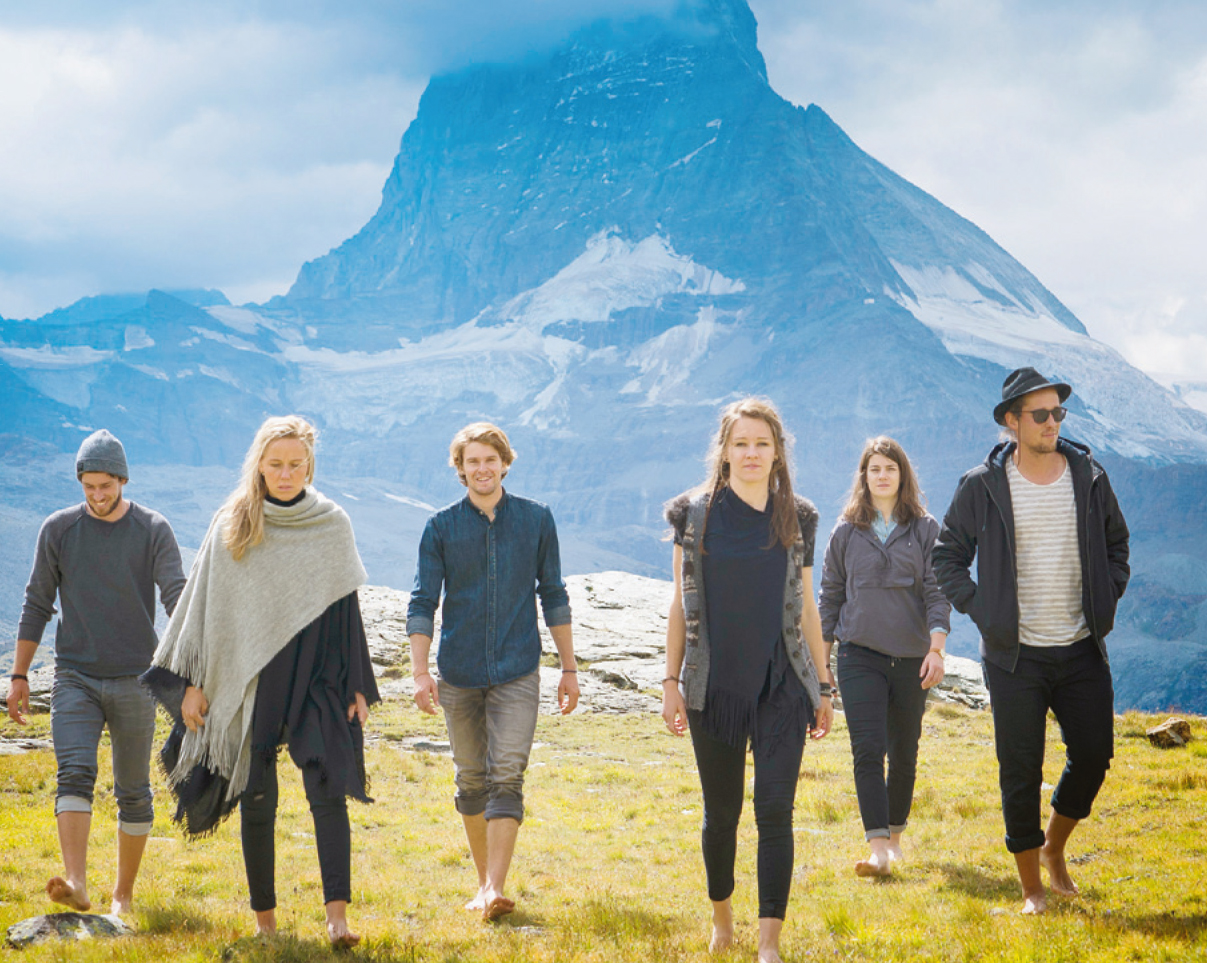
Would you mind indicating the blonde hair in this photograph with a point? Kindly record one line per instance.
(244, 507)
(484, 433)
(785, 527)
(910, 504)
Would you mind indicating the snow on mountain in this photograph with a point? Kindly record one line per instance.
(1123, 410)
(614, 274)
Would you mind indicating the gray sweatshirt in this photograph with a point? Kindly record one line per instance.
(883, 595)
(104, 574)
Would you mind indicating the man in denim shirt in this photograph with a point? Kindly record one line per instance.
(492, 553)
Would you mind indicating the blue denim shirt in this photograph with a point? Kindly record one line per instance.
(490, 573)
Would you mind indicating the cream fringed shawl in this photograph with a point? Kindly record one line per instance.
(233, 617)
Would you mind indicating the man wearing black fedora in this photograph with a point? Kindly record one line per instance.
(1051, 550)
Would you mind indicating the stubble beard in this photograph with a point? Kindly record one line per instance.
(106, 510)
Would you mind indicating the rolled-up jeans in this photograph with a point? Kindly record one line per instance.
(80, 707)
(491, 732)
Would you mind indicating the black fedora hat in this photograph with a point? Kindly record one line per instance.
(1022, 381)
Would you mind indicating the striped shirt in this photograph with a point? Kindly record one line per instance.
(1047, 560)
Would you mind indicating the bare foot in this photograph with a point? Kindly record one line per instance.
(875, 865)
(1058, 871)
(894, 854)
(121, 906)
(62, 892)
(1034, 903)
(496, 907)
(722, 939)
(478, 903)
(769, 956)
(266, 922)
(722, 926)
(340, 936)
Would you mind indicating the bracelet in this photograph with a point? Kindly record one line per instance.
(671, 678)
(826, 689)
(569, 671)
(17, 675)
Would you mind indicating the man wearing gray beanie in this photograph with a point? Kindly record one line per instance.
(103, 560)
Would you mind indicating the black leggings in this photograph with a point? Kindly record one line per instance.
(332, 836)
(723, 780)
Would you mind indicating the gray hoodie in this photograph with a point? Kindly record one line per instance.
(883, 596)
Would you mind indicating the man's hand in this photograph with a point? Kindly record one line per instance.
(194, 707)
(567, 692)
(359, 709)
(427, 693)
(18, 701)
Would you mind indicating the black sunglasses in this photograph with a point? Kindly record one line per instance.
(1041, 414)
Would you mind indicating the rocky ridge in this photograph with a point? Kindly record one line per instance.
(619, 641)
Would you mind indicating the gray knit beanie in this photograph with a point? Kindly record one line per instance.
(102, 452)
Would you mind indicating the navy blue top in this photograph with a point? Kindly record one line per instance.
(490, 574)
(743, 578)
(744, 575)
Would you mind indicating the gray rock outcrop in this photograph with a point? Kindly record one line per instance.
(619, 642)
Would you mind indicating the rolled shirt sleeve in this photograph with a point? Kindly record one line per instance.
(551, 587)
(429, 582)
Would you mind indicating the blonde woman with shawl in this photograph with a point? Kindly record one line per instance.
(743, 640)
(272, 595)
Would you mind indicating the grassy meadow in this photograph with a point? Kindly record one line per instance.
(608, 866)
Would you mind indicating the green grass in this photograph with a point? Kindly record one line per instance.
(608, 866)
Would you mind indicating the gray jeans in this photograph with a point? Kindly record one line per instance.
(80, 707)
(491, 732)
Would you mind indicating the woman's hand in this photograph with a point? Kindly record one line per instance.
(194, 707)
(674, 709)
(359, 709)
(823, 719)
(932, 670)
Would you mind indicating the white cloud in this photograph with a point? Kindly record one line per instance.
(223, 156)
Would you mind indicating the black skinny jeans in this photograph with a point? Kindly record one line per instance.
(1073, 681)
(723, 781)
(883, 700)
(332, 836)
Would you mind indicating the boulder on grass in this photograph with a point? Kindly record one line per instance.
(1170, 734)
(66, 926)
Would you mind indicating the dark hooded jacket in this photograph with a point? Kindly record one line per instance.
(980, 524)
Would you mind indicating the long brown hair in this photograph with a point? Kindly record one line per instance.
(244, 507)
(910, 503)
(784, 524)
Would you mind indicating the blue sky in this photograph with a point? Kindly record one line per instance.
(170, 144)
